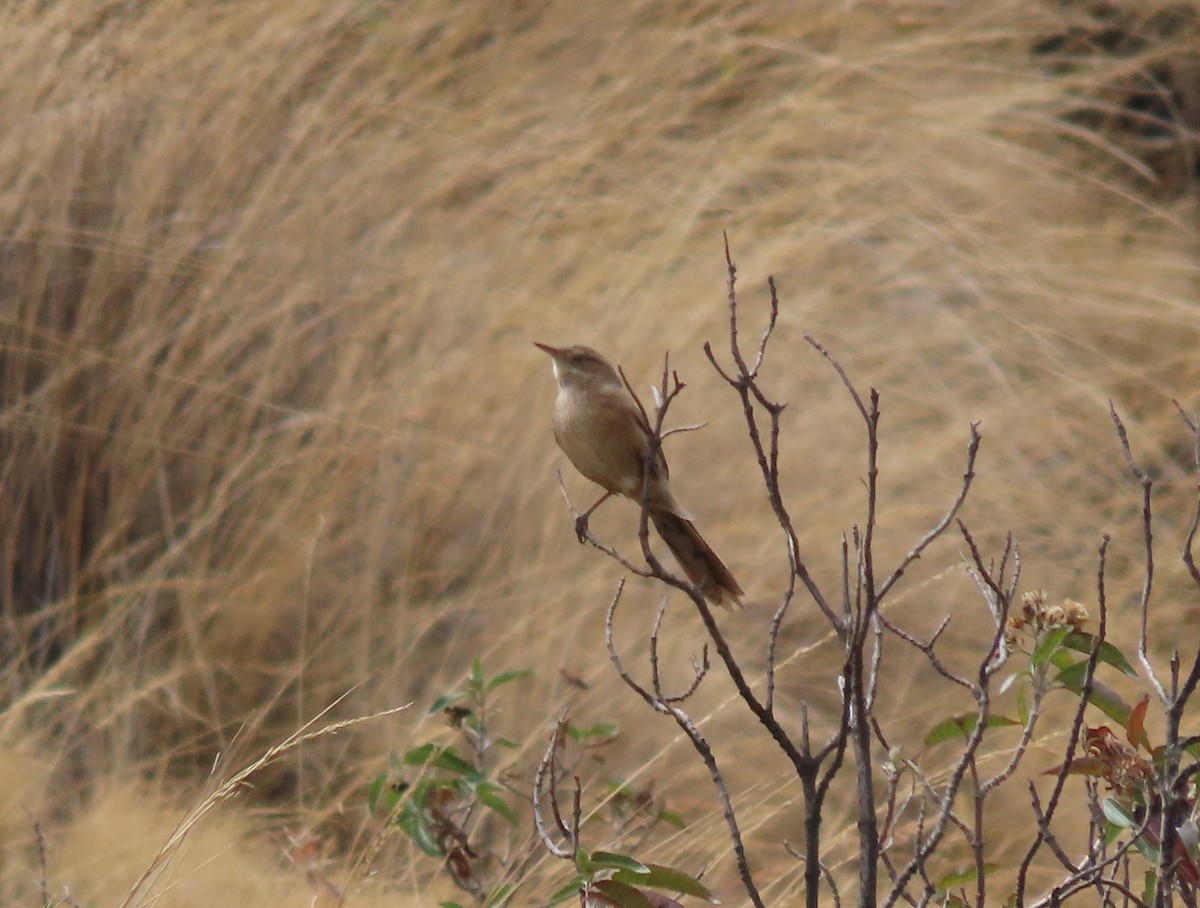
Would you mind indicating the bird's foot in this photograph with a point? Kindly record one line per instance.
(581, 527)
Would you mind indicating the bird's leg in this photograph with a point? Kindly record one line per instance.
(581, 522)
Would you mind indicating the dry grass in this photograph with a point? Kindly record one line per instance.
(273, 429)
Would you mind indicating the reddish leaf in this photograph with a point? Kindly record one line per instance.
(621, 895)
(658, 900)
(1134, 730)
(1185, 866)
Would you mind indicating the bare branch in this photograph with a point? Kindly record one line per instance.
(545, 767)
(699, 670)
(833, 888)
(615, 657)
(1087, 875)
(1148, 537)
(928, 648)
(858, 401)
(1085, 694)
(773, 638)
(1047, 834)
(678, 429)
(734, 347)
(1189, 544)
(637, 400)
(945, 815)
(940, 527)
(669, 706)
(744, 382)
(876, 662)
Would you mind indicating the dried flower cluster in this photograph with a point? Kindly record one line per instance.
(1038, 617)
(1117, 763)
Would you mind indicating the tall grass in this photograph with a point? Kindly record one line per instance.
(272, 428)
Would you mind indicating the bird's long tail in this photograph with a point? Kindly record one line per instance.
(697, 558)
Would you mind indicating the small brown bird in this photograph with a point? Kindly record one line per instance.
(604, 434)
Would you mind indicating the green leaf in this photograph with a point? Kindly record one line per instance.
(668, 879)
(506, 677)
(583, 735)
(486, 795)
(449, 905)
(446, 700)
(442, 757)
(413, 822)
(383, 794)
(450, 761)
(1083, 642)
(1022, 706)
(671, 818)
(607, 860)
(961, 726)
(1049, 645)
(572, 888)
(956, 878)
(419, 756)
(1103, 697)
(374, 790)
(1116, 814)
(1062, 659)
(1148, 851)
(476, 680)
(621, 894)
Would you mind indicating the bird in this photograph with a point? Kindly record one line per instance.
(604, 433)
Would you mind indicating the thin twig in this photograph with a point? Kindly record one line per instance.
(637, 400)
(928, 648)
(669, 706)
(1189, 544)
(678, 429)
(744, 382)
(1085, 693)
(1089, 875)
(940, 527)
(1047, 833)
(837, 367)
(545, 768)
(1148, 538)
(980, 690)
(699, 670)
(825, 871)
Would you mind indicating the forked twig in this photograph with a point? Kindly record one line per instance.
(1085, 693)
(939, 528)
(546, 770)
(669, 705)
(1147, 485)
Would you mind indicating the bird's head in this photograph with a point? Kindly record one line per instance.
(580, 366)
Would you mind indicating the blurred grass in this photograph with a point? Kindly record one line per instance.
(273, 429)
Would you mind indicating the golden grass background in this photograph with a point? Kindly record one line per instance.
(273, 429)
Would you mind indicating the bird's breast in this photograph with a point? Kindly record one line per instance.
(601, 435)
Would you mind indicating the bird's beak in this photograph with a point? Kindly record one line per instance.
(556, 358)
